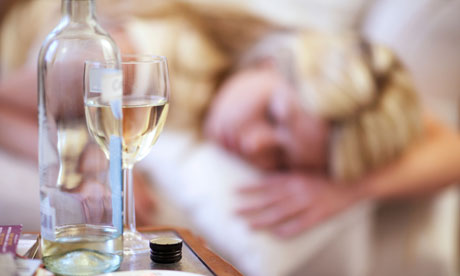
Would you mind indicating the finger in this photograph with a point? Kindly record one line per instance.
(277, 214)
(108, 208)
(145, 200)
(261, 203)
(93, 209)
(269, 184)
(299, 224)
(143, 193)
(143, 217)
(145, 211)
(252, 189)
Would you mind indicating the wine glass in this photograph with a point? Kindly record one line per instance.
(134, 101)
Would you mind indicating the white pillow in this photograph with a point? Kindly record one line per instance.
(200, 179)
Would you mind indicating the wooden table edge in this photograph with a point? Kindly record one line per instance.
(214, 262)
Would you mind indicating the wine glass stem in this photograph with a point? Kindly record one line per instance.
(129, 219)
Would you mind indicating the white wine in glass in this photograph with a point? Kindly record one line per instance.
(142, 122)
(139, 110)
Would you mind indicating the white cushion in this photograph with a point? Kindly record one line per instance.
(201, 179)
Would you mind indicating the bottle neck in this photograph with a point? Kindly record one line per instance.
(78, 10)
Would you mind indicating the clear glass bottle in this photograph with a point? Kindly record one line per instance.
(80, 189)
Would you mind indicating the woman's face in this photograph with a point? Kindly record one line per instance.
(258, 115)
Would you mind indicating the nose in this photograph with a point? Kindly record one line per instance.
(261, 146)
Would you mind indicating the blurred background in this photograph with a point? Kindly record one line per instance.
(238, 71)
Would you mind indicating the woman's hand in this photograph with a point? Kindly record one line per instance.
(241, 104)
(94, 195)
(96, 202)
(144, 200)
(289, 203)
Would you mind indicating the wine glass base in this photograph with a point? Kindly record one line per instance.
(134, 243)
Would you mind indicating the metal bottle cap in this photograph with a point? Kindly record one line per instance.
(165, 250)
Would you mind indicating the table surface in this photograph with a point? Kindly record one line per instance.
(196, 256)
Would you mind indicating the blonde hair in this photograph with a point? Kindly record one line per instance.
(201, 41)
(366, 94)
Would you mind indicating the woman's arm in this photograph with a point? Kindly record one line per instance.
(18, 112)
(19, 88)
(18, 132)
(432, 163)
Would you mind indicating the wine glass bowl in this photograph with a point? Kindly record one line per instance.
(143, 120)
(145, 104)
(133, 104)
